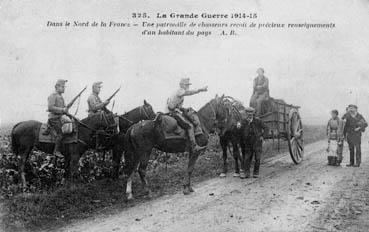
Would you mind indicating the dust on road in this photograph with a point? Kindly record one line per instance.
(307, 197)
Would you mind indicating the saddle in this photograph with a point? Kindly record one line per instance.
(172, 130)
(69, 130)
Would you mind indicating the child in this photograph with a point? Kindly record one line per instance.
(335, 138)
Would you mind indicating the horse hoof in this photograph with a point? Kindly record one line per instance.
(186, 191)
(222, 175)
(130, 196)
(236, 174)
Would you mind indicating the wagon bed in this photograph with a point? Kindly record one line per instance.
(284, 122)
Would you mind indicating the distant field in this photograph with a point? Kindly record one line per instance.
(56, 206)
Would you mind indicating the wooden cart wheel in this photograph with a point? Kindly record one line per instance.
(295, 136)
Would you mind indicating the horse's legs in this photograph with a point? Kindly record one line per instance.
(24, 153)
(236, 156)
(130, 166)
(223, 143)
(129, 183)
(142, 172)
(129, 187)
(72, 150)
(191, 165)
(117, 156)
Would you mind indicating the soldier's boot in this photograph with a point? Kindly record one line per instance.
(58, 141)
(191, 135)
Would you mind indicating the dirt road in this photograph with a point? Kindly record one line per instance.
(307, 197)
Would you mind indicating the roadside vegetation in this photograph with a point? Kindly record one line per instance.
(47, 203)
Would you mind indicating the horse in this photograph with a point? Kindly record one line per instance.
(144, 112)
(230, 134)
(25, 138)
(142, 137)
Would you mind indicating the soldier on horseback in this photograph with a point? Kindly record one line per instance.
(57, 108)
(176, 110)
(94, 102)
(261, 91)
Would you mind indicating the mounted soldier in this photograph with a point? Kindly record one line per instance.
(94, 102)
(56, 109)
(261, 91)
(96, 105)
(176, 110)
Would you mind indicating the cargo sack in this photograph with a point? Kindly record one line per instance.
(67, 124)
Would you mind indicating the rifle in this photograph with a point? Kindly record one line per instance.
(75, 98)
(113, 94)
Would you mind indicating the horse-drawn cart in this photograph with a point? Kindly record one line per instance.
(284, 122)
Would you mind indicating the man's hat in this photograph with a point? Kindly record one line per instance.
(185, 81)
(60, 82)
(97, 84)
(249, 110)
(352, 106)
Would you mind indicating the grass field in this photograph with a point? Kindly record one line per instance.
(54, 207)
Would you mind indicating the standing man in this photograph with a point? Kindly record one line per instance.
(261, 91)
(94, 102)
(335, 136)
(355, 125)
(253, 132)
(175, 107)
(57, 108)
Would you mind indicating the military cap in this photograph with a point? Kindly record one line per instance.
(185, 81)
(60, 82)
(352, 106)
(249, 110)
(97, 84)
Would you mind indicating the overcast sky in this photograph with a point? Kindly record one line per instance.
(317, 69)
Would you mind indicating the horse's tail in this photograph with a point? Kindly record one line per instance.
(14, 141)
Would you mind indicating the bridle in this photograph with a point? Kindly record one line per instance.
(143, 109)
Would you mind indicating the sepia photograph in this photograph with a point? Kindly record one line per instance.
(192, 115)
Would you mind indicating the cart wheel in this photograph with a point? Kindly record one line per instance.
(295, 136)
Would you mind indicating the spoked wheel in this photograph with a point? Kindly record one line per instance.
(295, 136)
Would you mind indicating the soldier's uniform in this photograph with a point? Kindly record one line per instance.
(251, 143)
(260, 94)
(94, 102)
(176, 110)
(56, 106)
(353, 129)
(335, 138)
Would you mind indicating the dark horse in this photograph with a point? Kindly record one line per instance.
(142, 137)
(230, 134)
(144, 112)
(25, 138)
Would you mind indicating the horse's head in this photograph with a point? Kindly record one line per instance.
(214, 114)
(222, 111)
(148, 110)
(101, 121)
